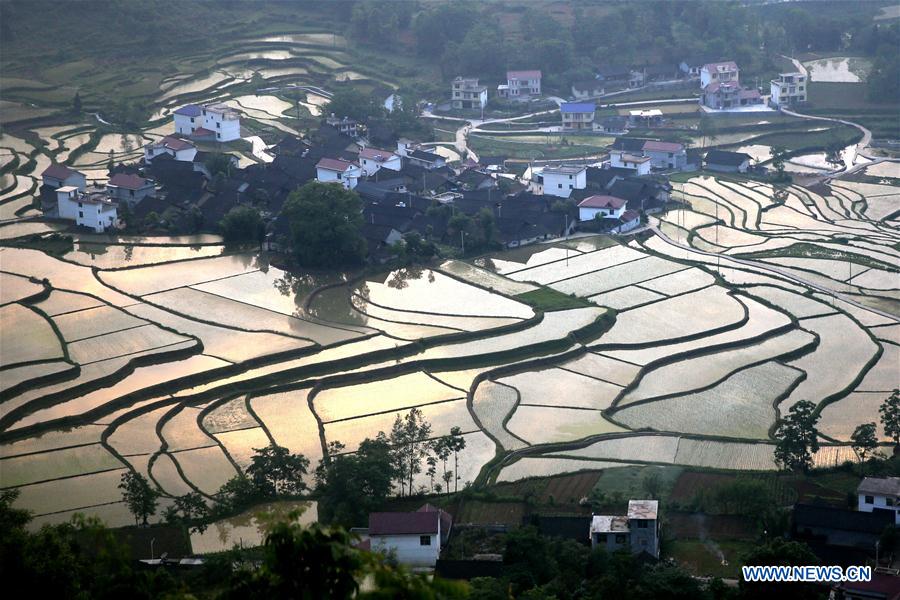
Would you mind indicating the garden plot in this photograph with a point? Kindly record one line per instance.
(579, 264)
(442, 416)
(93, 322)
(487, 279)
(843, 352)
(702, 371)
(72, 143)
(550, 424)
(627, 297)
(16, 287)
(229, 344)
(680, 282)
(715, 205)
(182, 431)
(594, 284)
(736, 456)
(604, 368)
(147, 280)
(877, 279)
(138, 434)
(208, 469)
(129, 342)
(822, 205)
(784, 217)
(107, 256)
(56, 464)
(16, 375)
(229, 416)
(166, 475)
(839, 419)
(760, 322)
(271, 105)
(839, 69)
(241, 444)
(26, 336)
(464, 323)
(677, 317)
(639, 447)
(433, 292)
(387, 395)
(290, 422)
(556, 387)
(543, 466)
(884, 376)
(492, 403)
(739, 406)
(796, 304)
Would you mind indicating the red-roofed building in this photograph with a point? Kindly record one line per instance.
(602, 205)
(665, 155)
(335, 170)
(177, 148)
(130, 188)
(415, 538)
(202, 134)
(520, 84)
(374, 159)
(57, 176)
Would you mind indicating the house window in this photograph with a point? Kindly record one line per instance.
(601, 538)
(642, 524)
(424, 540)
(559, 186)
(889, 501)
(570, 177)
(570, 186)
(80, 214)
(870, 500)
(620, 538)
(218, 136)
(79, 205)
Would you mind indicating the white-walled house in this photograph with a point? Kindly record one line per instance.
(665, 155)
(214, 121)
(789, 89)
(520, 84)
(187, 119)
(415, 154)
(561, 180)
(578, 115)
(880, 493)
(415, 538)
(94, 208)
(57, 176)
(374, 159)
(637, 531)
(335, 170)
(606, 206)
(130, 188)
(719, 72)
(623, 159)
(177, 148)
(467, 94)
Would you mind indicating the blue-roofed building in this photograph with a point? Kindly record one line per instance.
(187, 119)
(577, 115)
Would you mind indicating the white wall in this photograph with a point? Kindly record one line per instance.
(186, 125)
(408, 548)
(226, 129)
(562, 185)
(880, 502)
(68, 207)
(347, 179)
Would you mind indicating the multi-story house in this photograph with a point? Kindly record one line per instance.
(467, 94)
(637, 531)
(719, 72)
(57, 176)
(92, 208)
(335, 170)
(880, 494)
(789, 89)
(214, 121)
(129, 188)
(373, 159)
(563, 179)
(177, 148)
(577, 115)
(520, 84)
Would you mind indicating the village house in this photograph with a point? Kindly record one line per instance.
(346, 125)
(373, 160)
(562, 180)
(214, 122)
(788, 90)
(720, 87)
(839, 535)
(57, 176)
(129, 188)
(335, 170)
(418, 156)
(880, 494)
(665, 155)
(91, 208)
(615, 125)
(598, 204)
(628, 153)
(691, 65)
(467, 94)
(577, 115)
(589, 88)
(520, 85)
(727, 162)
(637, 531)
(177, 148)
(414, 538)
(719, 72)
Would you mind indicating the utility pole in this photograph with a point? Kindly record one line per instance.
(462, 242)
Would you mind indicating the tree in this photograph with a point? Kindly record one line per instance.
(275, 471)
(890, 416)
(864, 440)
(781, 553)
(350, 486)
(797, 437)
(409, 438)
(652, 484)
(219, 163)
(242, 224)
(325, 221)
(139, 497)
(456, 443)
(191, 510)
(236, 493)
(76, 104)
(349, 102)
(779, 155)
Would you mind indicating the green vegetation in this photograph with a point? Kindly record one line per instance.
(242, 224)
(139, 496)
(547, 299)
(797, 437)
(807, 250)
(890, 416)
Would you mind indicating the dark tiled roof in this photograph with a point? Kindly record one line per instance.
(401, 523)
(58, 172)
(128, 181)
(827, 517)
(602, 201)
(189, 110)
(723, 157)
(426, 156)
(629, 144)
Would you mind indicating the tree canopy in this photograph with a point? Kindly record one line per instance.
(797, 437)
(242, 224)
(325, 221)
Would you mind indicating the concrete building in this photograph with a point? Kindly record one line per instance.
(636, 162)
(467, 94)
(665, 155)
(177, 148)
(57, 176)
(719, 72)
(373, 160)
(577, 115)
(129, 188)
(335, 170)
(788, 90)
(415, 538)
(637, 531)
(603, 205)
(520, 84)
(347, 126)
(880, 494)
(562, 180)
(216, 122)
(92, 208)
(588, 88)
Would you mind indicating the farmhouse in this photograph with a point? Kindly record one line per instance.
(218, 122)
(788, 90)
(588, 88)
(880, 494)
(719, 72)
(665, 155)
(129, 188)
(562, 180)
(839, 535)
(92, 208)
(637, 531)
(727, 162)
(335, 170)
(605, 206)
(520, 84)
(467, 94)
(720, 87)
(346, 125)
(415, 538)
(57, 176)
(577, 115)
(692, 65)
(175, 147)
(373, 160)
(418, 156)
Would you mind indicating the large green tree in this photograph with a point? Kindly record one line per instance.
(797, 437)
(242, 224)
(325, 221)
(350, 486)
(350, 102)
(139, 496)
(781, 553)
(890, 416)
(275, 471)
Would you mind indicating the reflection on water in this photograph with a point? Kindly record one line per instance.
(249, 528)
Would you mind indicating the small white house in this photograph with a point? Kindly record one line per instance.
(188, 118)
(94, 209)
(562, 180)
(606, 206)
(665, 155)
(373, 159)
(637, 531)
(577, 115)
(57, 176)
(520, 84)
(130, 188)
(880, 493)
(415, 538)
(177, 148)
(623, 159)
(335, 170)
(789, 89)
(214, 121)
